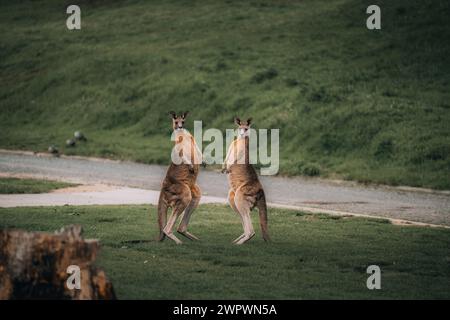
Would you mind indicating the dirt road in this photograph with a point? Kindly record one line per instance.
(414, 205)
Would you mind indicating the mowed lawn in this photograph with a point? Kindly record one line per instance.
(16, 185)
(311, 256)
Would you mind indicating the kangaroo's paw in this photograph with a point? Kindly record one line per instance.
(188, 235)
(245, 239)
(174, 238)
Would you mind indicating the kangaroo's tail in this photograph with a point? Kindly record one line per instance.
(162, 216)
(262, 208)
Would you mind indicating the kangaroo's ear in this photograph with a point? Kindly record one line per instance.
(249, 121)
(237, 121)
(185, 114)
(173, 114)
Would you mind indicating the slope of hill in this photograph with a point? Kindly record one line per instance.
(349, 102)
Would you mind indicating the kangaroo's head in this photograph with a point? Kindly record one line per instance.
(243, 127)
(178, 121)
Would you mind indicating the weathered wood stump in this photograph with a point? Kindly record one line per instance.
(33, 265)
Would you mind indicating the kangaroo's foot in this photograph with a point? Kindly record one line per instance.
(239, 238)
(173, 237)
(161, 236)
(188, 235)
(245, 238)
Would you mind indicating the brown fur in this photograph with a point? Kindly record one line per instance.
(179, 189)
(246, 192)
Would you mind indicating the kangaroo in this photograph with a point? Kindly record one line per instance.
(246, 192)
(179, 189)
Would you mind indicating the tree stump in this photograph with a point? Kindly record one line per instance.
(34, 265)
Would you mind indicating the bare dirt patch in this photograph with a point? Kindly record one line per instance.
(86, 188)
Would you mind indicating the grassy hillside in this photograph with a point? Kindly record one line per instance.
(312, 256)
(350, 102)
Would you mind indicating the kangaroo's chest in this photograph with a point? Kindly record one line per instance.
(181, 174)
(241, 174)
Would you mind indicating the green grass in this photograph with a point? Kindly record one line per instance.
(16, 185)
(351, 103)
(311, 257)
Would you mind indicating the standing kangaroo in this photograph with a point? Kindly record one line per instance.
(246, 192)
(179, 189)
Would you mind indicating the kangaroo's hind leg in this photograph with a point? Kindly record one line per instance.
(244, 206)
(182, 229)
(231, 196)
(183, 198)
(162, 215)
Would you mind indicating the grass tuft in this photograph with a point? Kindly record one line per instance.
(16, 185)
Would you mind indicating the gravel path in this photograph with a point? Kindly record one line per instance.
(407, 204)
(107, 196)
